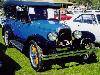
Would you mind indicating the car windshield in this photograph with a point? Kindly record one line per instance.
(98, 17)
(41, 13)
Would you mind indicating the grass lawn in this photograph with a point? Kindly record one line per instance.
(73, 68)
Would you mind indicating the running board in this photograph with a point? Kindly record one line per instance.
(17, 44)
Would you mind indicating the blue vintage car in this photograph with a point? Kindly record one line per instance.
(31, 27)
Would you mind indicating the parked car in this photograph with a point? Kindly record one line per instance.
(30, 28)
(89, 22)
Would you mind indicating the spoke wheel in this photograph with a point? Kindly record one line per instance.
(84, 58)
(35, 56)
(88, 58)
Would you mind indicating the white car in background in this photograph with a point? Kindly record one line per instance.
(86, 22)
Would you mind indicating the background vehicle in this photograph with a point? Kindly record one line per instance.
(35, 32)
(87, 22)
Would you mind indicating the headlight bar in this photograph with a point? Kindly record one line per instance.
(77, 34)
(53, 36)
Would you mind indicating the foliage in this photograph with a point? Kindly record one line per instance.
(94, 3)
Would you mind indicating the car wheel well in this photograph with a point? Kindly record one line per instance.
(37, 40)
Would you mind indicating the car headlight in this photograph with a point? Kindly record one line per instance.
(77, 34)
(52, 36)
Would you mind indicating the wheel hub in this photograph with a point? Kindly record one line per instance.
(34, 55)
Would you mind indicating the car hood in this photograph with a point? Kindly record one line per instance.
(49, 25)
(41, 28)
(44, 27)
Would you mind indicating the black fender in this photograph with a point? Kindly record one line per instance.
(86, 40)
(44, 44)
(88, 36)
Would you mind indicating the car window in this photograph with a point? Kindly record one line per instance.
(37, 13)
(10, 12)
(88, 18)
(22, 13)
(78, 19)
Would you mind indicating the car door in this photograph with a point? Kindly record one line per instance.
(23, 30)
(16, 25)
(21, 26)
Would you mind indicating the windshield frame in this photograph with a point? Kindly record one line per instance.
(46, 13)
(21, 13)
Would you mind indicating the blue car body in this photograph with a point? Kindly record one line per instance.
(39, 27)
(23, 25)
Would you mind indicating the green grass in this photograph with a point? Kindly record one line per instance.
(26, 69)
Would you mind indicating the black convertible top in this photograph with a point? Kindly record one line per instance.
(30, 3)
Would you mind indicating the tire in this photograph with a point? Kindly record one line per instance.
(35, 56)
(88, 58)
(83, 58)
(92, 58)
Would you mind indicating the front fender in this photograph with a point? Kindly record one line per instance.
(44, 44)
(88, 35)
